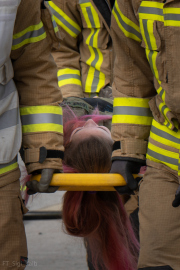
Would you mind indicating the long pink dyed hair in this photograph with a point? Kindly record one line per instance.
(99, 217)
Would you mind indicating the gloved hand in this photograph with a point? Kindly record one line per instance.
(176, 201)
(127, 169)
(43, 185)
(106, 92)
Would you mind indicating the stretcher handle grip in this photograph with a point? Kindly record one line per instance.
(85, 181)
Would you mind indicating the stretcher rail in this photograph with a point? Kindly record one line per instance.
(85, 181)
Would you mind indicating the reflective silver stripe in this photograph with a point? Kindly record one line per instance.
(66, 23)
(69, 76)
(150, 55)
(151, 10)
(172, 17)
(94, 62)
(90, 15)
(6, 91)
(44, 118)
(8, 164)
(147, 34)
(31, 34)
(161, 157)
(161, 93)
(83, 1)
(92, 37)
(9, 118)
(126, 110)
(127, 27)
(164, 135)
(95, 81)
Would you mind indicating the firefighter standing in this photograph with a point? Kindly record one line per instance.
(146, 94)
(25, 57)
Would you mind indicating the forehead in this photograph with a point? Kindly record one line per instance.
(86, 132)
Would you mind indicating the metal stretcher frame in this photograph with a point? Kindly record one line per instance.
(85, 181)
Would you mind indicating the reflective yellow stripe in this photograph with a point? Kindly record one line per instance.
(69, 76)
(71, 27)
(41, 118)
(129, 28)
(90, 15)
(32, 34)
(54, 24)
(151, 11)
(131, 119)
(172, 17)
(4, 168)
(40, 109)
(135, 102)
(42, 128)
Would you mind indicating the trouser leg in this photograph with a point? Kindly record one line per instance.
(13, 247)
(159, 221)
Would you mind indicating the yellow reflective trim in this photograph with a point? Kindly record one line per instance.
(28, 29)
(94, 14)
(69, 20)
(142, 32)
(173, 167)
(68, 71)
(171, 23)
(153, 17)
(89, 79)
(69, 81)
(132, 119)
(29, 40)
(164, 141)
(95, 40)
(101, 83)
(151, 34)
(90, 35)
(9, 168)
(154, 57)
(132, 102)
(152, 4)
(92, 57)
(42, 127)
(163, 151)
(41, 109)
(100, 60)
(171, 10)
(128, 22)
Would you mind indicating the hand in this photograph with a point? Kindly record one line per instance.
(43, 185)
(106, 92)
(126, 169)
(176, 201)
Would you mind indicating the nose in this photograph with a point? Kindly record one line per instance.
(90, 123)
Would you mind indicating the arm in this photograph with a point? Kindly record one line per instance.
(36, 81)
(133, 85)
(67, 55)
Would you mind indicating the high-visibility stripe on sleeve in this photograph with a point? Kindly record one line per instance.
(71, 27)
(69, 76)
(172, 17)
(32, 34)
(151, 11)
(4, 168)
(54, 24)
(41, 119)
(129, 28)
(95, 81)
(131, 111)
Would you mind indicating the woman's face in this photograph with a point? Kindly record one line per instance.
(90, 128)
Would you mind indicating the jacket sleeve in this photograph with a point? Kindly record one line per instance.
(67, 55)
(35, 75)
(133, 84)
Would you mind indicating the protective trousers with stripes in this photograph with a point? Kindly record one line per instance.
(159, 221)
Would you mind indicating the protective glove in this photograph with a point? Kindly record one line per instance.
(106, 92)
(176, 201)
(127, 169)
(43, 185)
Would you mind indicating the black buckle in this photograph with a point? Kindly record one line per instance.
(44, 153)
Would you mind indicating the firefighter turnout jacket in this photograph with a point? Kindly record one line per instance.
(25, 57)
(84, 56)
(146, 37)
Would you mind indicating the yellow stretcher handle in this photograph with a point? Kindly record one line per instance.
(85, 181)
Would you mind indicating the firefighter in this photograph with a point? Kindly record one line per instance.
(84, 56)
(28, 88)
(145, 124)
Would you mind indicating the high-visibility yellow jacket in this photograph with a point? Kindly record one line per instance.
(146, 36)
(36, 88)
(84, 56)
